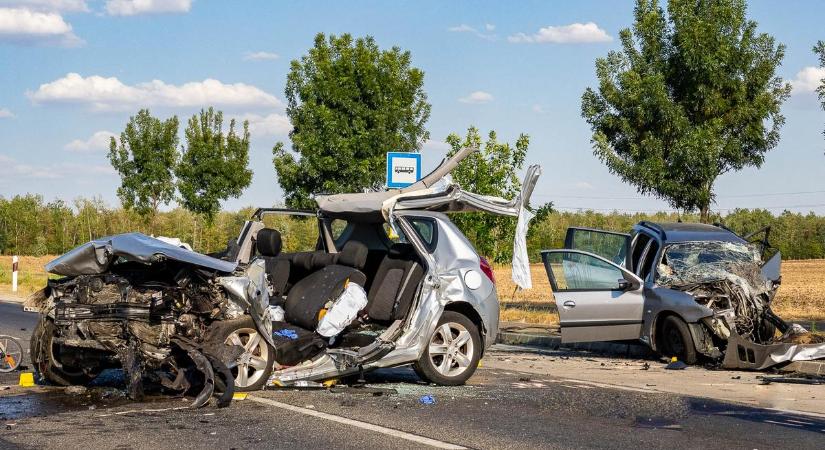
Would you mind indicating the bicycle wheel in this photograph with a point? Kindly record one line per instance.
(11, 354)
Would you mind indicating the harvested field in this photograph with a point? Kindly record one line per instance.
(801, 297)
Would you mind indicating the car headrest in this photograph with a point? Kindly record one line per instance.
(354, 254)
(402, 250)
(268, 242)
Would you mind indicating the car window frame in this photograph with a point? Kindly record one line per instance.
(635, 281)
(433, 243)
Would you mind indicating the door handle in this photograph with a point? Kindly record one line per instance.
(569, 304)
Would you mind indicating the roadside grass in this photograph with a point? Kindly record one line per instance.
(801, 296)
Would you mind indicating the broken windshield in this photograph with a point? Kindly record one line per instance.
(697, 262)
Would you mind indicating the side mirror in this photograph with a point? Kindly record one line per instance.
(624, 284)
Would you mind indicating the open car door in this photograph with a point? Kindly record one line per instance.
(597, 299)
(610, 245)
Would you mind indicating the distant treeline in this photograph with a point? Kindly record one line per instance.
(31, 226)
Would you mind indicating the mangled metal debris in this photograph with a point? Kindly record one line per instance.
(160, 312)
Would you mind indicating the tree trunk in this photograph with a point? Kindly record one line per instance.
(704, 213)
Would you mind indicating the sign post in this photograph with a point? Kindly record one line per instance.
(14, 262)
(403, 169)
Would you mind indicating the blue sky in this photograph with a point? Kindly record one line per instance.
(72, 71)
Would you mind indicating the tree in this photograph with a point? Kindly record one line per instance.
(145, 160)
(213, 166)
(819, 49)
(688, 98)
(493, 170)
(349, 103)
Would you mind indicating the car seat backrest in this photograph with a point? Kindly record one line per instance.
(395, 284)
(354, 254)
(307, 297)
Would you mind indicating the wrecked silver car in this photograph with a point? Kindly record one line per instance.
(391, 282)
(161, 312)
(686, 290)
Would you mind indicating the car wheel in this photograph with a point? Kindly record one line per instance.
(676, 340)
(453, 351)
(45, 356)
(253, 366)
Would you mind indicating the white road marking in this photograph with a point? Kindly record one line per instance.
(355, 423)
(801, 413)
(782, 423)
(131, 411)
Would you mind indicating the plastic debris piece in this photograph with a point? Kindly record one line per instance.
(26, 379)
(76, 390)
(276, 313)
(239, 396)
(427, 400)
(286, 333)
(676, 365)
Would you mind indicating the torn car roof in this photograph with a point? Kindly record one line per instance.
(95, 256)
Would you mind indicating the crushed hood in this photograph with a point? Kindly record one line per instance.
(94, 257)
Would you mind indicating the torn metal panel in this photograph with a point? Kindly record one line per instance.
(95, 256)
(744, 354)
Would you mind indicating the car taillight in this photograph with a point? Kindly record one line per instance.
(487, 268)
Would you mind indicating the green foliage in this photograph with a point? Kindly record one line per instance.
(493, 170)
(349, 103)
(214, 165)
(26, 220)
(688, 98)
(819, 49)
(145, 159)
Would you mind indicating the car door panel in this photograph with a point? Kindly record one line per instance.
(592, 303)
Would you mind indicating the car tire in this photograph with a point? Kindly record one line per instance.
(256, 362)
(451, 357)
(46, 364)
(676, 340)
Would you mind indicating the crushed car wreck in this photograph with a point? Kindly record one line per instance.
(686, 290)
(391, 281)
(159, 311)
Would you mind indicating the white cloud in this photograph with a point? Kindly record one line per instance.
(104, 94)
(584, 185)
(808, 79)
(12, 170)
(98, 141)
(28, 26)
(270, 125)
(136, 7)
(538, 109)
(49, 5)
(259, 56)
(464, 28)
(575, 33)
(5, 114)
(477, 97)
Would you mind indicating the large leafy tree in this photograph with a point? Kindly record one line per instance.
(214, 165)
(349, 103)
(691, 95)
(493, 170)
(819, 49)
(145, 157)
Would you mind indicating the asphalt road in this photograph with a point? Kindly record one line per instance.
(498, 408)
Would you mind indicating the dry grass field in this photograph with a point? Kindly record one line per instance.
(802, 295)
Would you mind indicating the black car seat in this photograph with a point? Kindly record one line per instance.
(268, 245)
(394, 285)
(306, 299)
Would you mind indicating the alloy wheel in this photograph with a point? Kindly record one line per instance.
(250, 366)
(451, 349)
